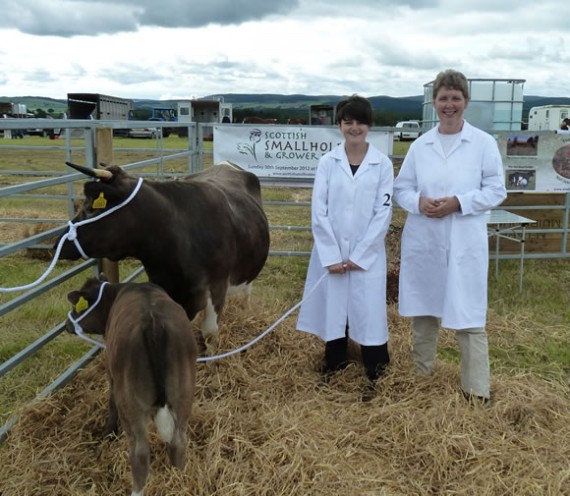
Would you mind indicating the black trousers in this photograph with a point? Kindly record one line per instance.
(374, 358)
(336, 357)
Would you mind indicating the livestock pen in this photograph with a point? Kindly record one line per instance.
(260, 425)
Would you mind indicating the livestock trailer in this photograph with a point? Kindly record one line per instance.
(547, 117)
(322, 115)
(213, 111)
(100, 107)
(17, 110)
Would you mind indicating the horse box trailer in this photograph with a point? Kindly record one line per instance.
(213, 111)
(100, 107)
(322, 115)
(547, 117)
(17, 110)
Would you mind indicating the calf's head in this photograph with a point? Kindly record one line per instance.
(90, 306)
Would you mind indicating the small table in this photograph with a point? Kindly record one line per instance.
(507, 225)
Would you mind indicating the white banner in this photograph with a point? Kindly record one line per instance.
(536, 161)
(283, 151)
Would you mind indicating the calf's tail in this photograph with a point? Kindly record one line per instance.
(165, 423)
(156, 343)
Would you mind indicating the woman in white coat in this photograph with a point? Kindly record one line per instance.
(450, 177)
(351, 212)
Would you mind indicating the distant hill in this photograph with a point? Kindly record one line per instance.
(33, 103)
(269, 101)
(539, 101)
(410, 106)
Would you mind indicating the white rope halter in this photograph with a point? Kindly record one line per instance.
(71, 235)
(75, 321)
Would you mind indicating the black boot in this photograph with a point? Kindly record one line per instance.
(335, 357)
(375, 360)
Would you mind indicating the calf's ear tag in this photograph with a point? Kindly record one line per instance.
(100, 201)
(81, 305)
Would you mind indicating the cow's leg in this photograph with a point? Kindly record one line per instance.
(181, 397)
(243, 290)
(210, 327)
(168, 423)
(210, 322)
(183, 408)
(212, 311)
(139, 453)
(177, 446)
(112, 425)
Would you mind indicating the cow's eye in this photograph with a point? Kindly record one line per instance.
(88, 209)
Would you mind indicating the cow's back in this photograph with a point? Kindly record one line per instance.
(230, 178)
(240, 192)
(151, 349)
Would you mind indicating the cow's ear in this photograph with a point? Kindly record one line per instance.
(73, 297)
(102, 195)
(79, 301)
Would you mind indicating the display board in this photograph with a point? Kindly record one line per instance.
(274, 151)
(536, 162)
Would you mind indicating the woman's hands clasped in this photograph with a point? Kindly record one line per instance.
(439, 207)
(342, 268)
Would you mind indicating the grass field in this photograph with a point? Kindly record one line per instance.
(260, 426)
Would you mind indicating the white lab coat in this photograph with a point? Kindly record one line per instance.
(444, 261)
(350, 217)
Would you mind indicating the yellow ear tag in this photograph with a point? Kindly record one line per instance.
(100, 201)
(81, 305)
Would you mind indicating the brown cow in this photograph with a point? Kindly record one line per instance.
(195, 237)
(151, 364)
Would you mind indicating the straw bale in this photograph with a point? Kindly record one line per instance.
(263, 425)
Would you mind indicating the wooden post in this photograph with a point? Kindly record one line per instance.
(104, 144)
(104, 155)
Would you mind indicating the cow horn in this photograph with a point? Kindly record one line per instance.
(98, 173)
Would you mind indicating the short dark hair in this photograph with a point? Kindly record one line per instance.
(355, 108)
(453, 80)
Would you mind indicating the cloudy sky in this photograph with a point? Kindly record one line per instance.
(163, 49)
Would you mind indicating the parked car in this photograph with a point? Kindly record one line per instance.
(145, 132)
(40, 131)
(407, 130)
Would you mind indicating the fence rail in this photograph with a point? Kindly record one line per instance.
(194, 156)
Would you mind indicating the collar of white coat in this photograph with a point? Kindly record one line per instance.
(373, 155)
(430, 136)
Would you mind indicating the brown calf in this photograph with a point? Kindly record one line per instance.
(151, 363)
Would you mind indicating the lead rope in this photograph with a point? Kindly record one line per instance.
(79, 331)
(71, 235)
(269, 329)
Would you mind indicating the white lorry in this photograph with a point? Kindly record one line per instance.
(407, 131)
(547, 117)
